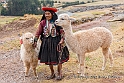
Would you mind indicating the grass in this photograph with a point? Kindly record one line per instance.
(5, 20)
(93, 61)
(98, 13)
(91, 13)
(105, 2)
(93, 64)
(10, 45)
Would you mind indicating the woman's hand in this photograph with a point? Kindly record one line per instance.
(35, 44)
(61, 41)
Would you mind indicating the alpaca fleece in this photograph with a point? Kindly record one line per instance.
(85, 41)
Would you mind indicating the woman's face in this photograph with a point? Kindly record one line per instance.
(48, 15)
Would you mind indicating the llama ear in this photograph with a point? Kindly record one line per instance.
(21, 39)
(72, 19)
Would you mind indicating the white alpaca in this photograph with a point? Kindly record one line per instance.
(28, 53)
(85, 41)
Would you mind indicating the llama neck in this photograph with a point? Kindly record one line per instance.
(68, 31)
(70, 38)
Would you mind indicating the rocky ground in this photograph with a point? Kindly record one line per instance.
(87, 8)
(11, 68)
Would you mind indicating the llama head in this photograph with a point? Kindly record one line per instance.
(64, 20)
(28, 38)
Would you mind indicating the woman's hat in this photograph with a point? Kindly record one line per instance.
(49, 9)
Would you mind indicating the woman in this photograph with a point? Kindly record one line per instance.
(53, 50)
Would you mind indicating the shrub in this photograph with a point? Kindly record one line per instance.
(82, 2)
(88, 2)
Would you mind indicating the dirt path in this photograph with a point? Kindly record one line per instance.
(11, 68)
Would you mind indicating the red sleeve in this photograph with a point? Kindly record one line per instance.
(40, 29)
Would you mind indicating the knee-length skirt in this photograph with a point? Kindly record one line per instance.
(48, 51)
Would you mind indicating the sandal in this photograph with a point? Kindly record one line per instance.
(59, 77)
(51, 77)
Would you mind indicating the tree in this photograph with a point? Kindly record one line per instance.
(48, 3)
(82, 2)
(0, 8)
(4, 11)
(21, 7)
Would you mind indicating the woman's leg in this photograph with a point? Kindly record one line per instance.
(52, 70)
(52, 73)
(59, 77)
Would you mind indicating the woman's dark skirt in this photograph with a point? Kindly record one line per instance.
(48, 51)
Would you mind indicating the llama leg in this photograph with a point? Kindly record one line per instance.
(34, 65)
(111, 58)
(105, 53)
(34, 69)
(82, 60)
(79, 71)
(27, 67)
(78, 56)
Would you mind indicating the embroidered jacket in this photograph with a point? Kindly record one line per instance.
(47, 31)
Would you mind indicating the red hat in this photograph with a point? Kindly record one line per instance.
(49, 8)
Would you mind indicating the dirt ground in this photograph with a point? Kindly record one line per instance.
(12, 70)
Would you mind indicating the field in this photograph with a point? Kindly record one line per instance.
(6, 20)
(12, 70)
(75, 0)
